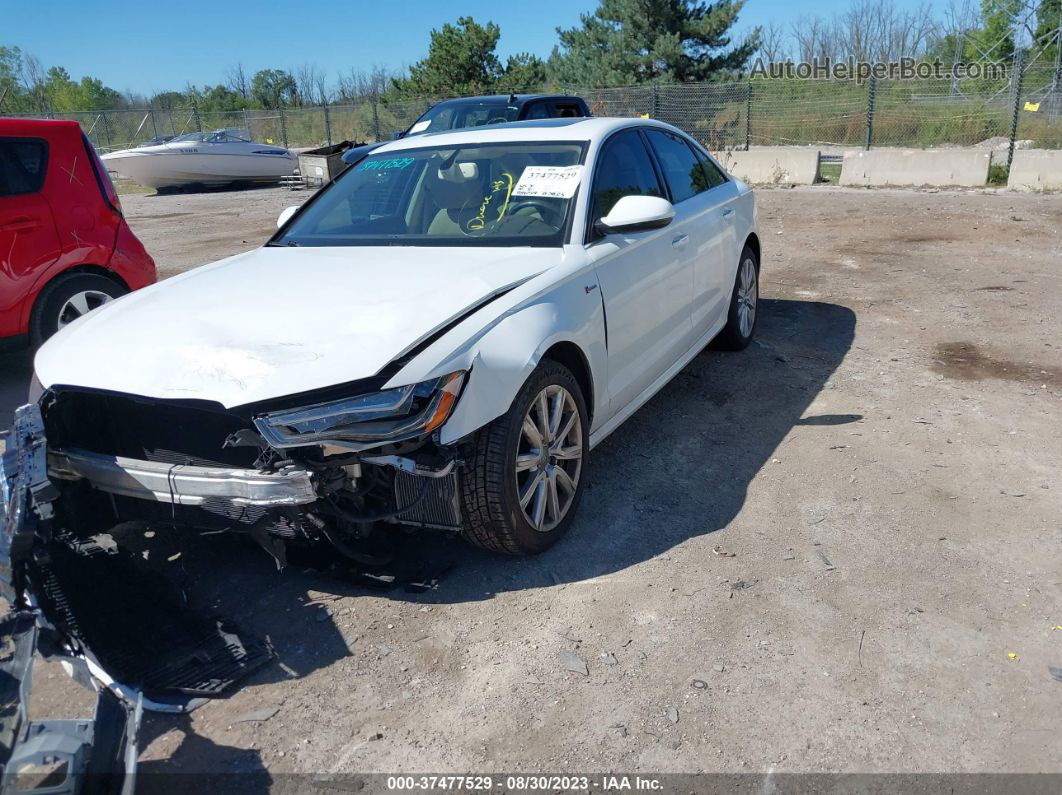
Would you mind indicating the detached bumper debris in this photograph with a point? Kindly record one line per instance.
(123, 633)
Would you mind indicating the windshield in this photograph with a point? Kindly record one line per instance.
(457, 115)
(216, 137)
(511, 194)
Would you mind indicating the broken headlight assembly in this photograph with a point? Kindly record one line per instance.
(358, 423)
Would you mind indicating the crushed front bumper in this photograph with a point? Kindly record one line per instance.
(57, 756)
(183, 484)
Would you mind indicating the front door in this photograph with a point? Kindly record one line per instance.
(645, 280)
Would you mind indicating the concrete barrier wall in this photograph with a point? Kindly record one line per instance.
(773, 165)
(917, 167)
(1036, 169)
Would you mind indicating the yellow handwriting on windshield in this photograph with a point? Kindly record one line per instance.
(502, 185)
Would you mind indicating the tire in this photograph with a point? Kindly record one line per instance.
(739, 329)
(495, 520)
(66, 299)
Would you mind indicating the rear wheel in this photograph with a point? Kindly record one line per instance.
(528, 467)
(741, 319)
(68, 298)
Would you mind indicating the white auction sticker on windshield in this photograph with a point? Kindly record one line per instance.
(420, 126)
(549, 182)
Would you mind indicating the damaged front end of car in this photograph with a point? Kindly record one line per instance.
(89, 474)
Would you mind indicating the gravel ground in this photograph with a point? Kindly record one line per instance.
(840, 550)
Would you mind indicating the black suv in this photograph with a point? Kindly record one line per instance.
(456, 114)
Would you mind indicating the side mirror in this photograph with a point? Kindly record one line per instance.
(637, 214)
(285, 215)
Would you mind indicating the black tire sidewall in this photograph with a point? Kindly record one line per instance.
(44, 321)
(527, 537)
(733, 338)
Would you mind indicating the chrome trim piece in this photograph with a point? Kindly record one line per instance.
(182, 484)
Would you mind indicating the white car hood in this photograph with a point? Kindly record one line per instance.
(278, 321)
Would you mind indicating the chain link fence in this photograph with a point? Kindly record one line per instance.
(938, 112)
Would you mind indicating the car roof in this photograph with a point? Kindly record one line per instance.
(502, 99)
(17, 126)
(568, 129)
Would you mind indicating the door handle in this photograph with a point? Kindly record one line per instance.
(680, 241)
(728, 213)
(20, 225)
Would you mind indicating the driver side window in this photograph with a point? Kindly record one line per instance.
(623, 169)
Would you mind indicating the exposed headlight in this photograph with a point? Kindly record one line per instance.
(393, 415)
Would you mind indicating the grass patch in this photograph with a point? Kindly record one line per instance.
(829, 173)
(998, 174)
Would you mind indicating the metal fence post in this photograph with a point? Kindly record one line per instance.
(1016, 80)
(872, 86)
(748, 115)
(284, 127)
(328, 126)
(654, 113)
(195, 118)
(154, 129)
(375, 100)
(106, 128)
(247, 123)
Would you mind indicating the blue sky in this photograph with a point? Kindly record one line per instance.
(152, 45)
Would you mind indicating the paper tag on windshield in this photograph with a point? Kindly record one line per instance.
(420, 126)
(549, 182)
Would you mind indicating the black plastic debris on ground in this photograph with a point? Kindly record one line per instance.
(138, 626)
(399, 568)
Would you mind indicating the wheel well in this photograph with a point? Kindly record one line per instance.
(95, 270)
(571, 356)
(753, 242)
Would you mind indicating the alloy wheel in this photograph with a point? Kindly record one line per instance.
(748, 293)
(80, 304)
(549, 457)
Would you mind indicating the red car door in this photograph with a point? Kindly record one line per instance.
(29, 242)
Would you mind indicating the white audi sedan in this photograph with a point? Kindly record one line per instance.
(438, 339)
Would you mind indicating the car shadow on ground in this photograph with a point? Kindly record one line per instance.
(679, 468)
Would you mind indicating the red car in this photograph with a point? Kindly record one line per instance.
(64, 246)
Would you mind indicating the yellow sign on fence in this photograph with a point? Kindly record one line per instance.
(1032, 107)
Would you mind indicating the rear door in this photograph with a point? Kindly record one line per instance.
(703, 226)
(29, 242)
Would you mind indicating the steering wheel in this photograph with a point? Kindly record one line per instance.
(543, 206)
(497, 120)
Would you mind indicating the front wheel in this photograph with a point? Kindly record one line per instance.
(741, 318)
(528, 468)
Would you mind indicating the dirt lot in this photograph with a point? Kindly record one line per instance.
(838, 551)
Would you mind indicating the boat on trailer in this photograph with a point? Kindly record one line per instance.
(213, 158)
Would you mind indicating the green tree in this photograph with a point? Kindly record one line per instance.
(994, 41)
(523, 72)
(640, 41)
(273, 88)
(461, 60)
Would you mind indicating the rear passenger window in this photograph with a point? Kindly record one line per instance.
(567, 110)
(538, 110)
(682, 170)
(623, 169)
(23, 162)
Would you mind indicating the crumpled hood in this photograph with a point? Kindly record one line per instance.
(278, 321)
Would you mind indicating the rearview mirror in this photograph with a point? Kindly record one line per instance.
(285, 214)
(637, 214)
